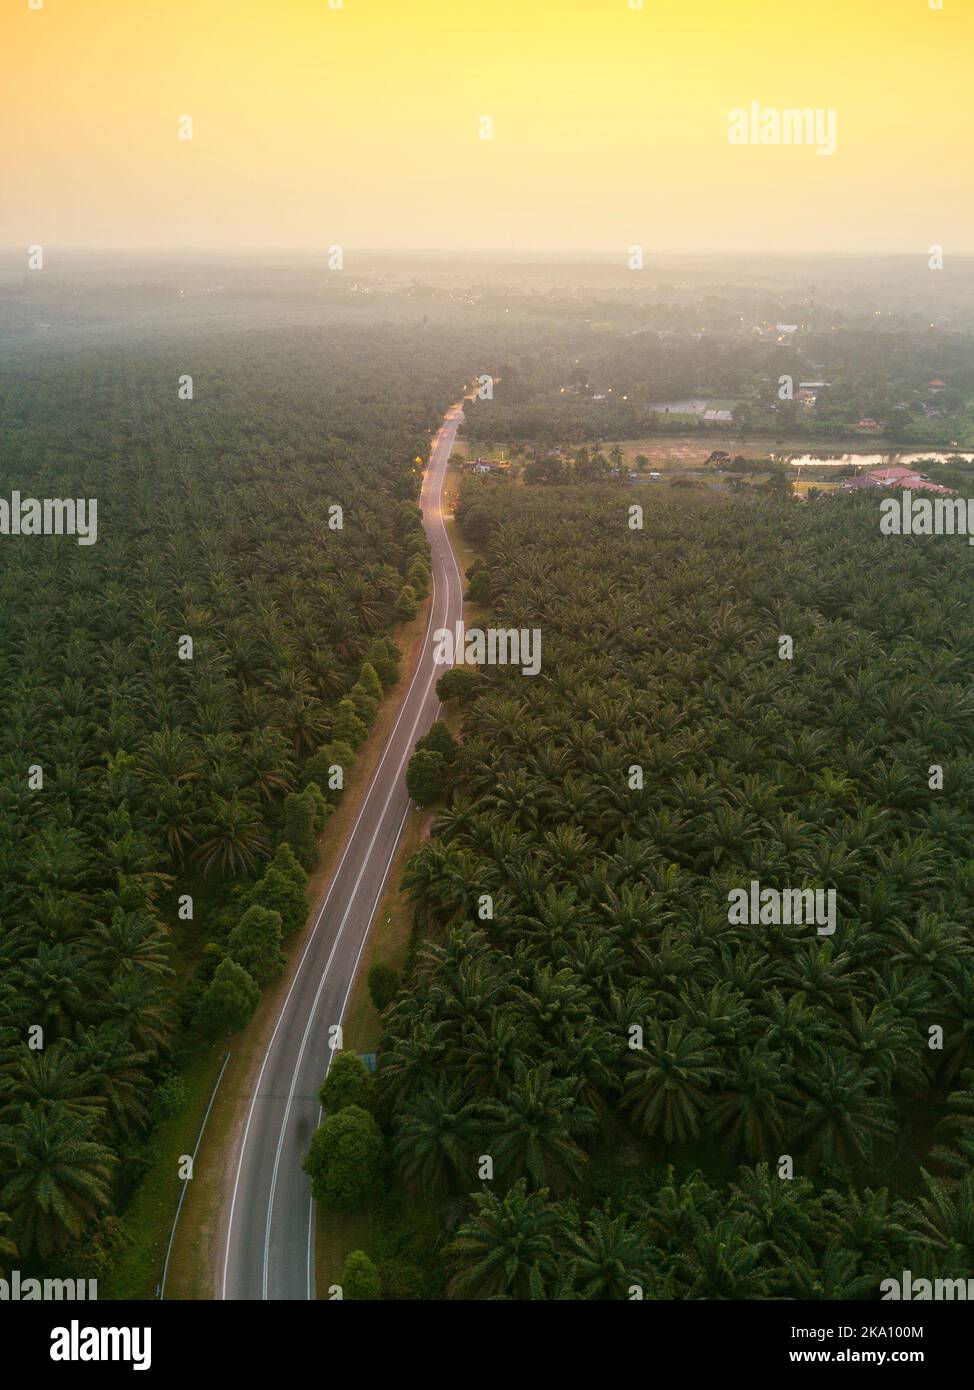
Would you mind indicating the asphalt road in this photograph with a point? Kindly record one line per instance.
(269, 1249)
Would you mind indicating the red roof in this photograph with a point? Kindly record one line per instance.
(936, 383)
(893, 475)
(922, 485)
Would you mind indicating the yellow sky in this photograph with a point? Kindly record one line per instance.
(359, 125)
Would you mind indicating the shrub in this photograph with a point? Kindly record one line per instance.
(383, 985)
(478, 588)
(172, 1096)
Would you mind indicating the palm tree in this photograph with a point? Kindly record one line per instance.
(410, 1060)
(945, 1219)
(435, 1136)
(529, 1132)
(833, 1274)
(503, 1243)
(751, 1111)
(724, 1260)
(488, 1050)
(8, 1251)
(115, 1072)
(32, 1081)
(666, 1090)
(59, 1179)
(609, 1257)
(234, 839)
(59, 983)
(842, 1109)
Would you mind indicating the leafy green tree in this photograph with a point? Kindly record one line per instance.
(478, 586)
(460, 684)
(280, 892)
(369, 681)
(348, 728)
(304, 814)
(366, 707)
(360, 1278)
(320, 808)
(285, 862)
(345, 1160)
(426, 776)
(255, 943)
(407, 604)
(348, 1082)
(383, 656)
(320, 768)
(440, 740)
(229, 999)
(383, 983)
(418, 577)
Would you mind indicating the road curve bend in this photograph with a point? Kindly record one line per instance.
(269, 1251)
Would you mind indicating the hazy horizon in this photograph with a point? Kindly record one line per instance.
(361, 127)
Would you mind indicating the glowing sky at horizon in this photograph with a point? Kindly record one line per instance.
(359, 126)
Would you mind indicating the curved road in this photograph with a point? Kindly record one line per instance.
(270, 1226)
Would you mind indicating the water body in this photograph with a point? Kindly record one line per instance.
(891, 460)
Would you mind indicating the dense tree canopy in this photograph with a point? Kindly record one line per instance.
(670, 1099)
(270, 521)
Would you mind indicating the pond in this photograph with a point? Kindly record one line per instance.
(889, 460)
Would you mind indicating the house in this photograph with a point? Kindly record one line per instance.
(718, 417)
(854, 484)
(920, 484)
(936, 385)
(490, 466)
(806, 396)
(893, 476)
(869, 426)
